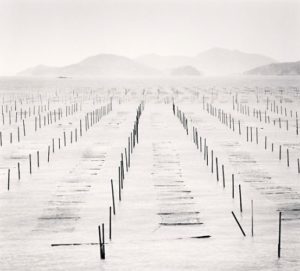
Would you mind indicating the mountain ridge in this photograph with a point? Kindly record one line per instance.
(106, 65)
(214, 61)
(185, 71)
(281, 68)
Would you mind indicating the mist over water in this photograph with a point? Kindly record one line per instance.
(262, 82)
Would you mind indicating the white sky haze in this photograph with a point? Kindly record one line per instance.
(61, 32)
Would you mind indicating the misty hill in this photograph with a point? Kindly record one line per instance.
(103, 65)
(164, 62)
(40, 70)
(216, 61)
(185, 71)
(287, 68)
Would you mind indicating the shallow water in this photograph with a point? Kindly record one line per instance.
(174, 214)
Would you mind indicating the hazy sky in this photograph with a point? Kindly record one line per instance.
(59, 32)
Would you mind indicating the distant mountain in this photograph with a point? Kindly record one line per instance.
(222, 61)
(103, 65)
(185, 71)
(287, 68)
(164, 62)
(216, 61)
(40, 70)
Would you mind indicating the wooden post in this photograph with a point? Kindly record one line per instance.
(265, 142)
(240, 193)
(205, 149)
(252, 222)
(207, 155)
(100, 241)
(8, 179)
(279, 152)
(103, 242)
(113, 196)
(232, 177)
(128, 151)
(24, 132)
(120, 174)
(200, 144)
(19, 171)
(279, 236)
(131, 142)
(212, 161)
(119, 185)
(217, 169)
(256, 135)
(280, 123)
(126, 162)
(238, 224)
(109, 222)
(80, 128)
(38, 158)
(223, 174)
(30, 169)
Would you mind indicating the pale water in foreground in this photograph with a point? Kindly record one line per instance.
(174, 214)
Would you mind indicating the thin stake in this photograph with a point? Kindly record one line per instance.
(100, 242)
(280, 152)
(265, 142)
(48, 154)
(19, 172)
(256, 135)
(119, 186)
(238, 224)
(212, 161)
(217, 169)
(240, 193)
(113, 196)
(8, 179)
(30, 170)
(103, 243)
(109, 222)
(38, 158)
(252, 224)
(279, 235)
(223, 174)
(232, 177)
(128, 151)
(126, 162)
